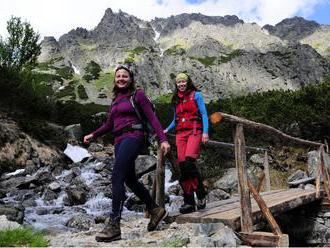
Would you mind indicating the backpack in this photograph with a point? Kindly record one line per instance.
(149, 130)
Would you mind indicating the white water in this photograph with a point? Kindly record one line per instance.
(75, 69)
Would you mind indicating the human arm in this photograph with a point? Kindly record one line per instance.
(106, 127)
(172, 124)
(202, 110)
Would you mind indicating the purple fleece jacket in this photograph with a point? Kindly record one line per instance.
(122, 114)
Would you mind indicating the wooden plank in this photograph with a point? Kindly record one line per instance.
(219, 206)
(266, 171)
(265, 210)
(264, 239)
(229, 211)
(240, 159)
(231, 217)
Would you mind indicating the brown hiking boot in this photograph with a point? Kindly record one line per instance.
(111, 232)
(156, 216)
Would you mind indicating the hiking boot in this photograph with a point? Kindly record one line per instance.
(111, 232)
(201, 204)
(187, 208)
(156, 216)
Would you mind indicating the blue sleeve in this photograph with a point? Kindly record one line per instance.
(202, 109)
(172, 125)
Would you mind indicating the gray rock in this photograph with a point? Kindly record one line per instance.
(299, 174)
(5, 224)
(313, 162)
(80, 221)
(54, 186)
(144, 164)
(217, 195)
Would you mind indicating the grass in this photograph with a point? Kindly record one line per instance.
(22, 237)
(105, 80)
(87, 47)
(175, 50)
(206, 61)
(174, 242)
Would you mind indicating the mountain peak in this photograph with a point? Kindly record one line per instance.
(294, 28)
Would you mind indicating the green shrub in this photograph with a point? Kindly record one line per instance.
(206, 61)
(22, 237)
(92, 71)
(175, 50)
(82, 92)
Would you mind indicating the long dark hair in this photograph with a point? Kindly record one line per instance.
(131, 83)
(190, 87)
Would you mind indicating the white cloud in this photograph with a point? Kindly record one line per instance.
(54, 18)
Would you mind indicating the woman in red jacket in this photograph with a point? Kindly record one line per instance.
(191, 127)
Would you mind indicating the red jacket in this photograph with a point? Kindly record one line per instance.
(187, 113)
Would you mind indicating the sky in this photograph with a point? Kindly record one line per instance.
(55, 18)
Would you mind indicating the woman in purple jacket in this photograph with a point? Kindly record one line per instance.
(129, 141)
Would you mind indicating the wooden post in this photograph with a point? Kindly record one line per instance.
(264, 239)
(266, 170)
(325, 173)
(265, 210)
(261, 181)
(175, 168)
(160, 179)
(240, 160)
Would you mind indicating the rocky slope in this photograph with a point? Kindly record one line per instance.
(224, 55)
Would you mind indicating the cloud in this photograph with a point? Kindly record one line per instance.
(54, 18)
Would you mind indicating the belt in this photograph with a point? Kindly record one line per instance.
(130, 128)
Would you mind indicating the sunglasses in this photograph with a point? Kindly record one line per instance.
(123, 66)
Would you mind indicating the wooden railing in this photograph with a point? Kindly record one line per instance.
(245, 187)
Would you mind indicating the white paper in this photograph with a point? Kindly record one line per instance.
(76, 153)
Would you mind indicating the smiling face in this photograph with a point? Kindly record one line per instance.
(122, 79)
(181, 85)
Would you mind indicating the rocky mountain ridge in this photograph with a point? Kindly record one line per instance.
(224, 55)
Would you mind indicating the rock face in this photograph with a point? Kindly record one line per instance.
(19, 150)
(293, 29)
(223, 55)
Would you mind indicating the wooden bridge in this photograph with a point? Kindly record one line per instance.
(241, 213)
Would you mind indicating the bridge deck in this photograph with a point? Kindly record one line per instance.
(228, 211)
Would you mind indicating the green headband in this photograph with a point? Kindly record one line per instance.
(181, 76)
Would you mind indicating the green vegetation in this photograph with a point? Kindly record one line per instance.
(209, 61)
(82, 92)
(105, 80)
(22, 237)
(206, 61)
(232, 55)
(132, 54)
(21, 49)
(164, 99)
(87, 47)
(175, 50)
(92, 71)
(328, 49)
(175, 242)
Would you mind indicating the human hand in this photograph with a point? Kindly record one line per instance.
(165, 147)
(88, 138)
(165, 130)
(205, 138)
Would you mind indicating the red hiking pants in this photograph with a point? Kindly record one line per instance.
(188, 144)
